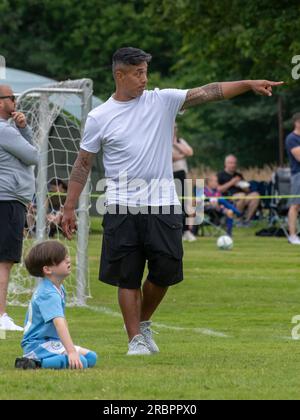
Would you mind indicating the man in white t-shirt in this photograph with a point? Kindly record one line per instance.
(143, 223)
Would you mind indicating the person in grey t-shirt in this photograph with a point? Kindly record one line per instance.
(17, 157)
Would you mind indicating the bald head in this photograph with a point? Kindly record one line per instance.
(231, 164)
(7, 104)
(5, 90)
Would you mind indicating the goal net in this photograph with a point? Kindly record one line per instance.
(56, 114)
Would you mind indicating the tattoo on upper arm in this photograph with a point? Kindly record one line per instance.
(82, 167)
(203, 94)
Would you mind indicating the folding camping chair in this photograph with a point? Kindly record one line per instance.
(279, 207)
(213, 223)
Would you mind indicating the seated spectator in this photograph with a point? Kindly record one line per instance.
(219, 205)
(55, 204)
(232, 183)
(30, 222)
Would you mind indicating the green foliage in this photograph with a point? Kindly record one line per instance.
(233, 40)
(192, 43)
(68, 39)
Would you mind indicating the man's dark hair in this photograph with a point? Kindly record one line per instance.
(130, 56)
(46, 253)
(296, 117)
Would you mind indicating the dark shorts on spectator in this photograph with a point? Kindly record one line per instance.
(12, 222)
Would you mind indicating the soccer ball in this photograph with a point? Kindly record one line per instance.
(225, 243)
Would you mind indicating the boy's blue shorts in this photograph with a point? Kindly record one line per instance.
(48, 349)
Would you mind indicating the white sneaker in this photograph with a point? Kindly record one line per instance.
(294, 240)
(138, 347)
(188, 236)
(7, 324)
(147, 333)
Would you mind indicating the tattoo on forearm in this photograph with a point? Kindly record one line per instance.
(82, 167)
(203, 94)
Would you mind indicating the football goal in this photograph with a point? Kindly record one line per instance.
(57, 115)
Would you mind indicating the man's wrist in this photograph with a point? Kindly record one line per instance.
(249, 84)
(69, 207)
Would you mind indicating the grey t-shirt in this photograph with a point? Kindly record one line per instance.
(17, 157)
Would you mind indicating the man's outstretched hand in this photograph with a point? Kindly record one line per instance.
(264, 87)
(68, 223)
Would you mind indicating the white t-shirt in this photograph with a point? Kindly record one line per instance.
(136, 138)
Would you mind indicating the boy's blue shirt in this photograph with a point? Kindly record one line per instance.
(47, 303)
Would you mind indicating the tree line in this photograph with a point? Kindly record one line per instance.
(193, 42)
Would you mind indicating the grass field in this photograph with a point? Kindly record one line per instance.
(224, 333)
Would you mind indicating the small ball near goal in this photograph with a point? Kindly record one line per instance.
(225, 243)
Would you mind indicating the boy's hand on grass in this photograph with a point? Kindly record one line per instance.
(74, 361)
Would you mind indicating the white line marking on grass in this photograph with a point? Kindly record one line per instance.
(104, 310)
(290, 338)
(203, 331)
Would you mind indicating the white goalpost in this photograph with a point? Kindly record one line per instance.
(57, 114)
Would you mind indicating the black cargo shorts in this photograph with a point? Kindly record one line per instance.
(132, 240)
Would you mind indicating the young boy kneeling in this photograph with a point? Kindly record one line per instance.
(47, 342)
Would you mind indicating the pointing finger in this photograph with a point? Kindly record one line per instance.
(276, 83)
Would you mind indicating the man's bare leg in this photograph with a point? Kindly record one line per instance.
(152, 297)
(130, 301)
(240, 204)
(5, 269)
(293, 219)
(252, 205)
